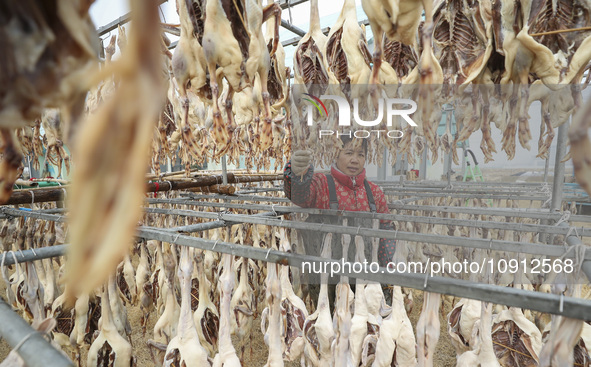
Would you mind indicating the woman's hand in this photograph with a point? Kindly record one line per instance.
(300, 162)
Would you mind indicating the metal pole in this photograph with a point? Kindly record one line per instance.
(32, 255)
(32, 346)
(463, 157)
(423, 165)
(382, 170)
(546, 166)
(558, 187)
(506, 212)
(224, 171)
(447, 168)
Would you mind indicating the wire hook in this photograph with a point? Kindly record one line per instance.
(426, 274)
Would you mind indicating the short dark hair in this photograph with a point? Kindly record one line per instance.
(346, 139)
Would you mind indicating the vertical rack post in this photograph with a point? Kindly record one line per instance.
(423, 166)
(558, 187)
(224, 171)
(558, 182)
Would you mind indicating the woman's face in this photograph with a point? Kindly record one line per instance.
(351, 161)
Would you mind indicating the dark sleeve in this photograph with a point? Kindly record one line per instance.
(387, 246)
(297, 189)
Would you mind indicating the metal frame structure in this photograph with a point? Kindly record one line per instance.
(28, 342)
(543, 302)
(554, 304)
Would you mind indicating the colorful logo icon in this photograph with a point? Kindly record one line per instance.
(314, 98)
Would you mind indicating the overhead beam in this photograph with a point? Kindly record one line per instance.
(119, 21)
(292, 28)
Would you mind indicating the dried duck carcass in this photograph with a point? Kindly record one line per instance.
(517, 341)
(109, 348)
(318, 330)
(428, 329)
(243, 307)
(189, 68)
(397, 338)
(259, 61)
(225, 43)
(184, 349)
(226, 356)
(347, 54)
(114, 143)
(206, 317)
(293, 311)
(309, 60)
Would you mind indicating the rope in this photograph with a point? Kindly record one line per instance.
(426, 274)
(565, 217)
(3, 268)
(513, 350)
(561, 31)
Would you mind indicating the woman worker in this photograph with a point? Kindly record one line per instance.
(345, 188)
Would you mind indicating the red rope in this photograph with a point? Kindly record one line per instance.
(157, 188)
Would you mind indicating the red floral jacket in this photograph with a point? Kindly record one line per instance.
(312, 192)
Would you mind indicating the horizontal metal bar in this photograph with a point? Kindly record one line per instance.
(566, 306)
(580, 218)
(497, 245)
(259, 190)
(119, 21)
(32, 346)
(519, 227)
(486, 244)
(6, 211)
(477, 196)
(284, 4)
(292, 28)
(192, 228)
(237, 197)
(32, 255)
(505, 212)
(458, 183)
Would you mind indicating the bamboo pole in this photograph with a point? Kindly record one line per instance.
(215, 189)
(41, 195)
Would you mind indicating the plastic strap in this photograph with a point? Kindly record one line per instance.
(370, 199)
(332, 193)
